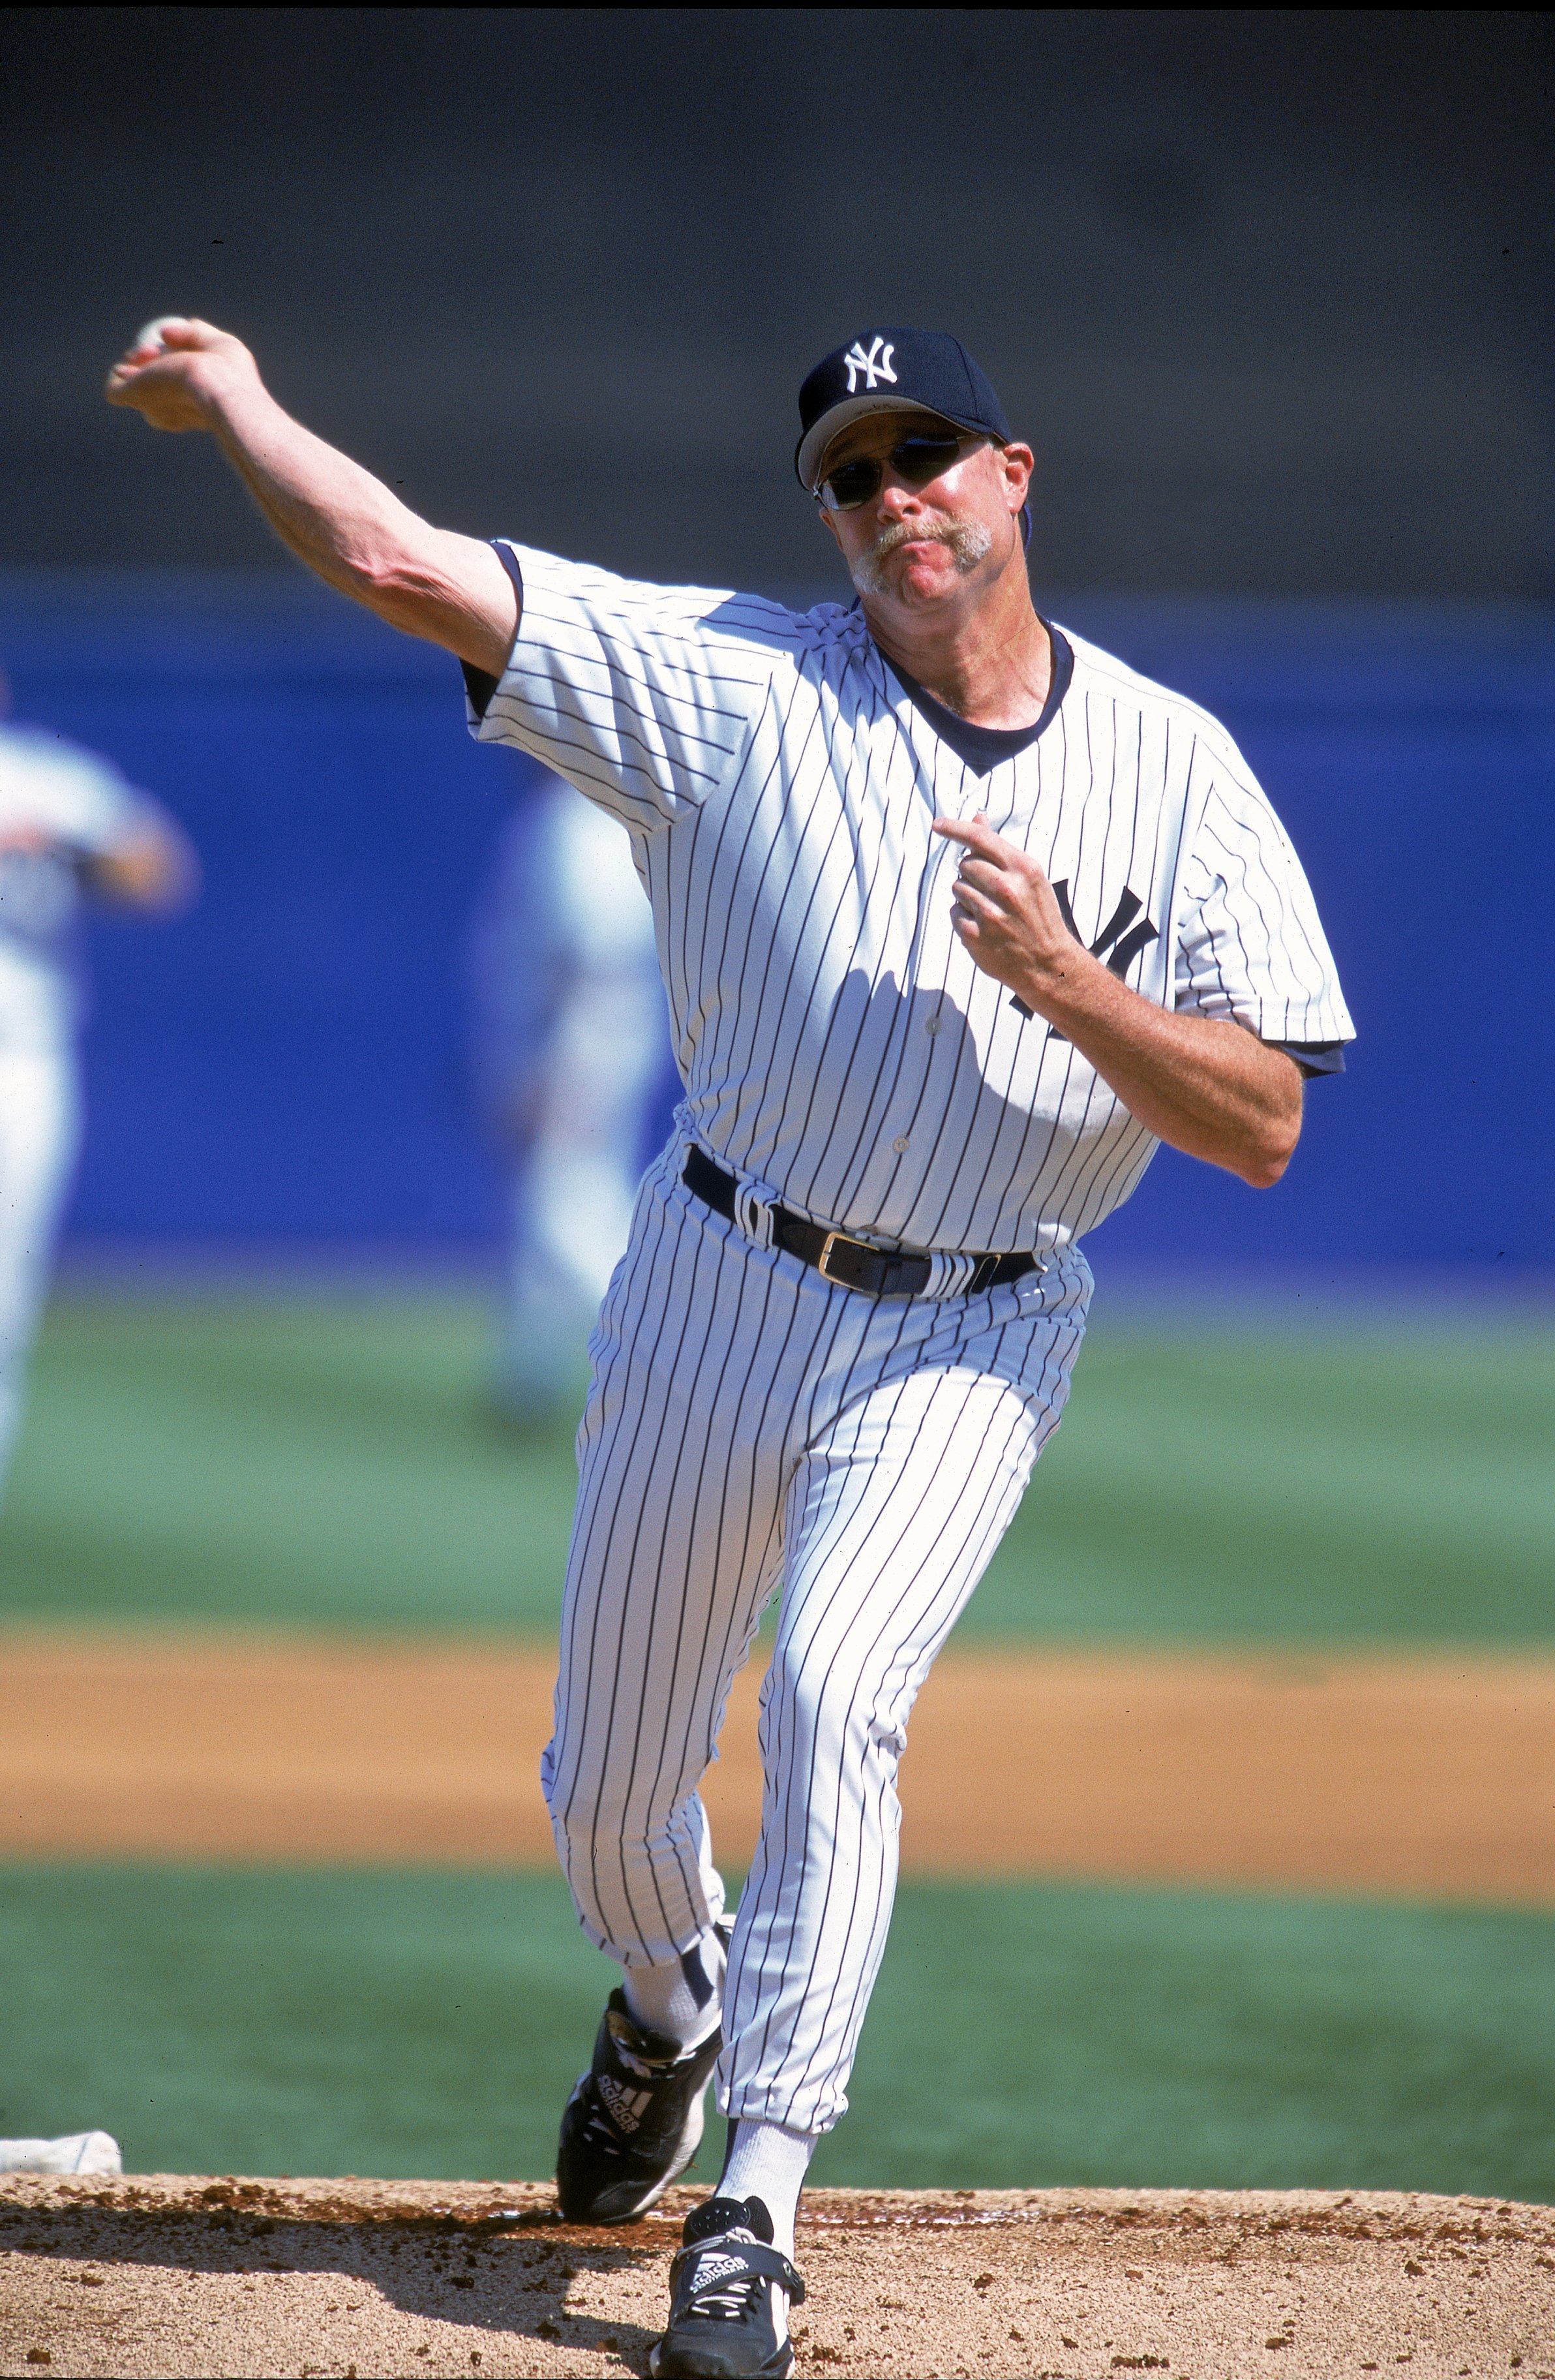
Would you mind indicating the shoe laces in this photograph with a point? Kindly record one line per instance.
(599, 2128)
(741, 2297)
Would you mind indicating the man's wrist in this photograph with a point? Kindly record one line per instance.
(234, 403)
(1067, 988)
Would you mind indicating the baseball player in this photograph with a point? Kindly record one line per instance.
(571, 1047)
(958, 918)
(70, 829)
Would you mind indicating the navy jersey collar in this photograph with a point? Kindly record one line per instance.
(981, 749)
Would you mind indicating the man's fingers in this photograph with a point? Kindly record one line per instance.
(166, 334)
(984, 843)
(163, 375)
(970, 898)
(984, 904)
(152, 337)
(183, 331)
(125, 379)
(174, 334)
(993, 884)
(976, 832)
(162, 335)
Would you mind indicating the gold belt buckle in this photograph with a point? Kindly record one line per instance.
(827, 1245)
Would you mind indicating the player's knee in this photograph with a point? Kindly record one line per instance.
(591, 1815)
(814, 1711)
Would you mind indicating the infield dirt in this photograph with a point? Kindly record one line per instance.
(1424, 1775)
(163, 2276)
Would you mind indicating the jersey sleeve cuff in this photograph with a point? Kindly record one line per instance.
(479, 685)
(1314, 1057)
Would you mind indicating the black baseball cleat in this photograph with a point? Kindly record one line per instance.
(724, 2285)
(633, 2122)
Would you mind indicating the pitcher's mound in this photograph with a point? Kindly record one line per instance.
(162, 2274)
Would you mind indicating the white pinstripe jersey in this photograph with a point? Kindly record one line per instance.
(840, 1049)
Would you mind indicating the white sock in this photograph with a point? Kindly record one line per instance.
(768, 2162)
(683, 1998)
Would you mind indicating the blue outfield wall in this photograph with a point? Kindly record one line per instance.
(289, 1062)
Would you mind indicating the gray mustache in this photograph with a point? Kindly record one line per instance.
(910, 533)
(968, 542)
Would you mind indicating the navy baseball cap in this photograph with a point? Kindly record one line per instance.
(888, 371)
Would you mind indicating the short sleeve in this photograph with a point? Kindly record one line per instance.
(1250, 945)
(642, 696)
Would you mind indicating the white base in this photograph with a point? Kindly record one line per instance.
(74, 2152)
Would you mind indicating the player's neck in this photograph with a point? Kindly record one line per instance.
(989, 662)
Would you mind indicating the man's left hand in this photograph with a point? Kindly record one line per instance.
(1202, 1083)
(1006, 915)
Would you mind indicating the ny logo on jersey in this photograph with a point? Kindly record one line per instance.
(875, 366)
(1129, 944)
(1118, 942)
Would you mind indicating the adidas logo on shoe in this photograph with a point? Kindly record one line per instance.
(730, 2291)
(625, 2107)
(632, 2123)
(711, 2270)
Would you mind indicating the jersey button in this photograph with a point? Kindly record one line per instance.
(902, 1145)
(931, 1025)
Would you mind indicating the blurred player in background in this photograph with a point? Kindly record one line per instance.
(572, 1046)
(70, 830)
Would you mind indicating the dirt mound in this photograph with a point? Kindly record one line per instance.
(163, 2274)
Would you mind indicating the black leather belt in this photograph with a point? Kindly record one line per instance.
(851, 1264)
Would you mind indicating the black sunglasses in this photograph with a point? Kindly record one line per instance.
(916, 460)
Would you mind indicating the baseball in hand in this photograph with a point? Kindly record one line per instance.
(169, 373)
(150, 333)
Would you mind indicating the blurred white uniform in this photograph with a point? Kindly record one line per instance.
(58, 807)
(574, 1039)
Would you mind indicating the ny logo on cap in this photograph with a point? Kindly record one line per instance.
(875, 366)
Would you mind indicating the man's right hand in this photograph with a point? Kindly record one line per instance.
(174, 383)
(344, 524)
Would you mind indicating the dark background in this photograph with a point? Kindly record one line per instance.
(1270, 291)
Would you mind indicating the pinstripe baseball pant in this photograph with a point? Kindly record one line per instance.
(750, 1425)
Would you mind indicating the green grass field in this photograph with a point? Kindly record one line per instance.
(329, 1460)
(326, 1460)
(416, 2023)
